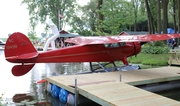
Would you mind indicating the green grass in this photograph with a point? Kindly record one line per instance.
(150, 59)
(146, 60)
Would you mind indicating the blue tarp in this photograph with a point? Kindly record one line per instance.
(170, 30)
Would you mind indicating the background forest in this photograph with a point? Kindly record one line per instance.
(106, 17)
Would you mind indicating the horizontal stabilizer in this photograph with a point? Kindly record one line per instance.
(19, 70)
(24, 56)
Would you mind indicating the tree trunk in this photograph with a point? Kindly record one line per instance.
(100, 15)
(178, 18)
(135, 4)
(174, 14)
(159, 16)
(165, 15)
(150, 22)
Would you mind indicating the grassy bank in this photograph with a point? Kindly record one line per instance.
(150, 59)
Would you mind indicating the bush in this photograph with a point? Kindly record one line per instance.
(155, 48)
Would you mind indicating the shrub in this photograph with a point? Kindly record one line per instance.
(155, 48)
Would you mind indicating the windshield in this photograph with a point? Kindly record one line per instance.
(114, 45)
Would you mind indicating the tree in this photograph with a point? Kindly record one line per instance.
(32, 36)
(84, 19)
(174, 14)
(40, 10)
(135, 4)
(178, 2)
(150, 18)
(116, 16)
(159, 16)
(165, 15)
(100, 15)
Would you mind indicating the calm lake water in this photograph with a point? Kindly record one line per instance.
(11, 85)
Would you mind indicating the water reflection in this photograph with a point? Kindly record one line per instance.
(11, 85)
(43, 70)
(173, 94)
(67, 68)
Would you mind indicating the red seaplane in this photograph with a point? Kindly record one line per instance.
(19, 49)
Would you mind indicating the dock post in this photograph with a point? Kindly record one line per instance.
(76, 92)
(120, 78)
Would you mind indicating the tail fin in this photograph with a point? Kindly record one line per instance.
(18, 49)
(18, 46)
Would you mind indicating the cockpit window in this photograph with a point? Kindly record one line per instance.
(106, 45)
(114, 45)
(122, 43)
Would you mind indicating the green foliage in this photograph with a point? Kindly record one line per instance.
(155, 48)
(84, 32)
(116, 15)
(150, 59)
(153, 9)
(100, 33)
(40, 10)
(32, 37)
(84, 19)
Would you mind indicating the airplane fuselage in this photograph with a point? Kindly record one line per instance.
(86, 53)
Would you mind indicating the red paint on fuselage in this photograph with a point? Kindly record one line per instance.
(84, 53)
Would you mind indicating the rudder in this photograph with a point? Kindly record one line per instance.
(18, 45)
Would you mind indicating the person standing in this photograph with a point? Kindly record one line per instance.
(173, 43)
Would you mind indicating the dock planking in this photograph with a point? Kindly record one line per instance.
(107, 90)
(120, 94)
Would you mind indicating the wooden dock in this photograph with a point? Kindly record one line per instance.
(174, 57)
(107, 90)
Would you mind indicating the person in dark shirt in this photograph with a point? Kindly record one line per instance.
(173, 43)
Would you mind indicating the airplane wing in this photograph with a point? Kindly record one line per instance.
(120, 38)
